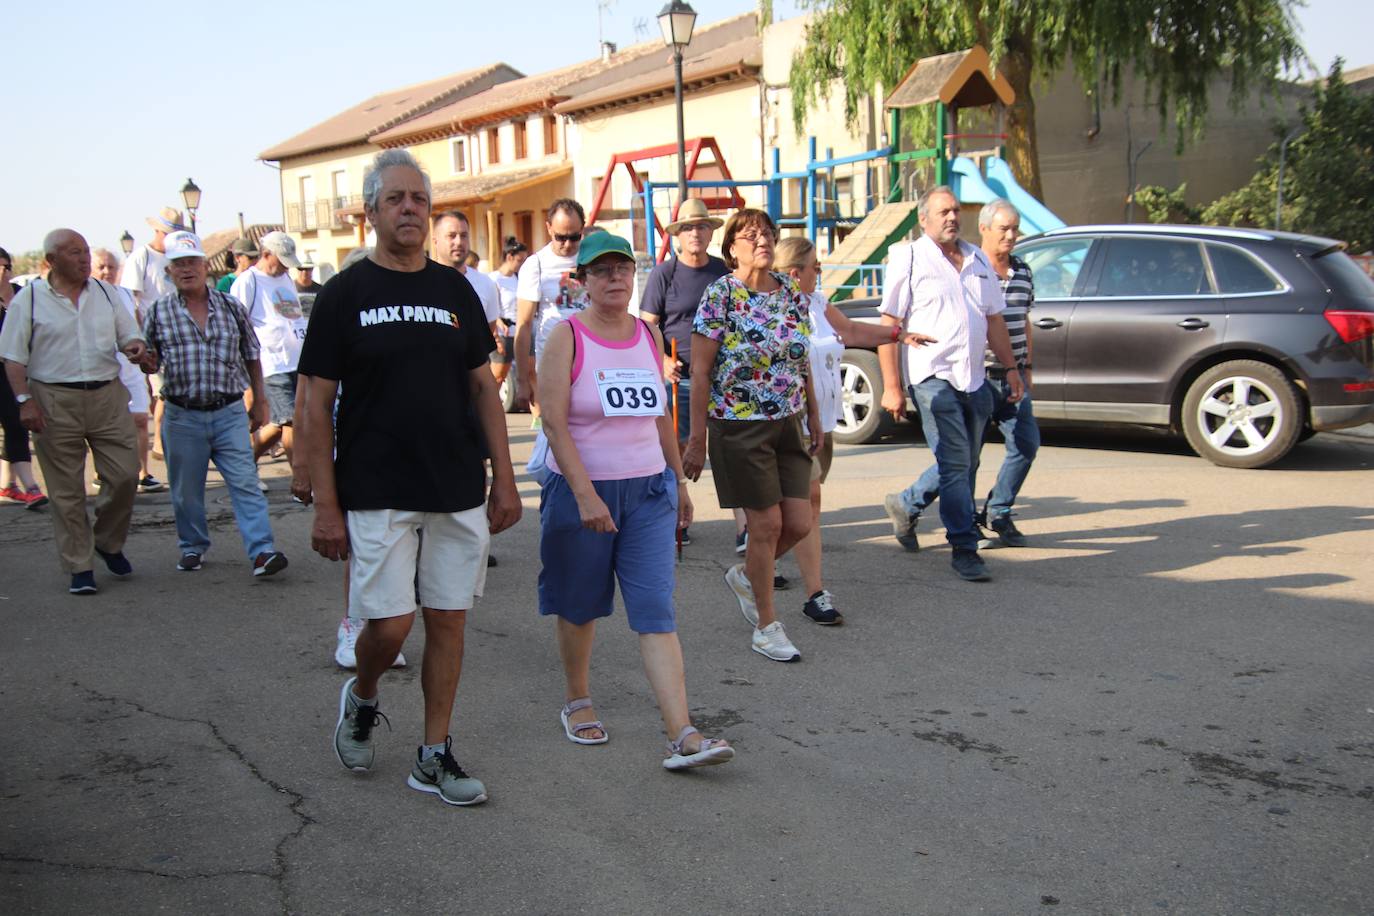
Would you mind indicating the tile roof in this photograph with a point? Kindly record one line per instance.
(543, 91)
(216, 244)
(385, 109)
(965, 77)
(742, 56)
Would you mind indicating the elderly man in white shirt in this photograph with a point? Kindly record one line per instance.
(945, 287)
(59, 345)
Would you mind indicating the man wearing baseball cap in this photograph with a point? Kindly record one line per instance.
(672, 294)
(145, 273)
(245, 255)
(208, 353)
(274, 308)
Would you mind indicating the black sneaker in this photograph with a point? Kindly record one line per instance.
(269, 564)
(116, 562)
(820, 607)
(151, 484)
(780, 582)
(742, 542)
(491, 561)
(189, 562)
(686, 538)
(1007, 532)
(969, 565)
(83, 583)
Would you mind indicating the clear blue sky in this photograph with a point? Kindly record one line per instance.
(110, 108)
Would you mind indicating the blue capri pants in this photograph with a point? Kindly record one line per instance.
(581, 566)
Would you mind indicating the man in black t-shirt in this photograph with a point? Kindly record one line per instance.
(406, 340)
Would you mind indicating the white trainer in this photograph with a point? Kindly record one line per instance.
(345, 653)
(739, 584)
(773, 643)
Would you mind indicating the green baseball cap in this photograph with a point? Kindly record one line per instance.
(599, 244)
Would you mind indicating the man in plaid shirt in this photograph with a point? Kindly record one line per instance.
(208, 354)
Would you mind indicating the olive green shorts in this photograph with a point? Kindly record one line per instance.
(758, 463)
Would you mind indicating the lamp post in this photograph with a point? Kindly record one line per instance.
(126, 241)
(1278, 194)
(191, 195)
(676, 20)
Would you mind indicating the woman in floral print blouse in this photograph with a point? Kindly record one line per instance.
(751, 388)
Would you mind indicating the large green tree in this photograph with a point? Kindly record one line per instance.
(1328, 175)
(1178, 47)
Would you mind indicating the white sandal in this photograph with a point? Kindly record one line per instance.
(711, 752)
(573, 731)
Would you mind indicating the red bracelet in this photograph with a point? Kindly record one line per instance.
(896, 332)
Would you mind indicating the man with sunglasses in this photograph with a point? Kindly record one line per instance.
(546, 292)
(208, 353)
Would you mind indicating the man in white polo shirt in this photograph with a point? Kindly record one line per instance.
(59, 343)
(451, 241)
(942, 286)
(274, 307)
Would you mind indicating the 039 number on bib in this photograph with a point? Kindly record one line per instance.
(630, 392)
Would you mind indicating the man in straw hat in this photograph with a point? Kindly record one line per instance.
(145, 273)
(674, 290)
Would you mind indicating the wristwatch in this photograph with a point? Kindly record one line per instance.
(22, 399)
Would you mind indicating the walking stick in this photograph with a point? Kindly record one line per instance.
(673, 352)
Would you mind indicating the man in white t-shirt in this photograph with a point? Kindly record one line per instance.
(274, 308)
(450, 242)
(105, 266)
(545, 290)
(145, 275)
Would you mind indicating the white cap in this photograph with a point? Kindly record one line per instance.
(182, 244)
(281, 245)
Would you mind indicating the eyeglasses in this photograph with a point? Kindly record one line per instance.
(697, 227)
(754, 238)
(565, 239)
(622, 271)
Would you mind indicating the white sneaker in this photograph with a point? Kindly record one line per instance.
(739, 584)
(345, 655)
(772, 642)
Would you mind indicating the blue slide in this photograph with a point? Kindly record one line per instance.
(968, 183)
(1035, 216)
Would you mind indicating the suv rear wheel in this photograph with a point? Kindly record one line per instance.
(1242, 414)
(862, 416)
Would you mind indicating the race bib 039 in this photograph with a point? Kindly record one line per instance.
(630, 392)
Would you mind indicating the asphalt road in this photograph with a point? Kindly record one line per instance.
(1166, 704)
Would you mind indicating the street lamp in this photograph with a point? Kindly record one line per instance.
(126, 241)
(676, 20)
(1278, 194)
(191, 195)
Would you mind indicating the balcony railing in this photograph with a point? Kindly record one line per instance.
(310, 215)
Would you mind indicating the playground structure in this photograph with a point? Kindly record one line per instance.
(859, 229)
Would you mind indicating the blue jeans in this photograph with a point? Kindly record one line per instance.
(1022, 435)
(192, 439)
(953, 422)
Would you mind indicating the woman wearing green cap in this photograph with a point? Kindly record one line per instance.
(613, 496)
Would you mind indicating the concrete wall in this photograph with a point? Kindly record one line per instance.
(1086, 178)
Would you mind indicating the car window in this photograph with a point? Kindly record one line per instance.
(1055, 266)
(1139, 268)
(1237, 272)
(1345, 278)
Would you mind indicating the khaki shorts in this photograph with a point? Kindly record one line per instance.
(389, 562)
(820, 463)
(758, 463)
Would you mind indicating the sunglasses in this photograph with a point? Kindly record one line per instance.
(565, 239)
(622, 271)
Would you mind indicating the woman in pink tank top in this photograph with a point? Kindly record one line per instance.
(613, 498)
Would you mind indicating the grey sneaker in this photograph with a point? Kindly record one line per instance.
(969, 565)
(443, 777)
(353, 733)
(772, 642)
(903, 522)
(739, 584)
